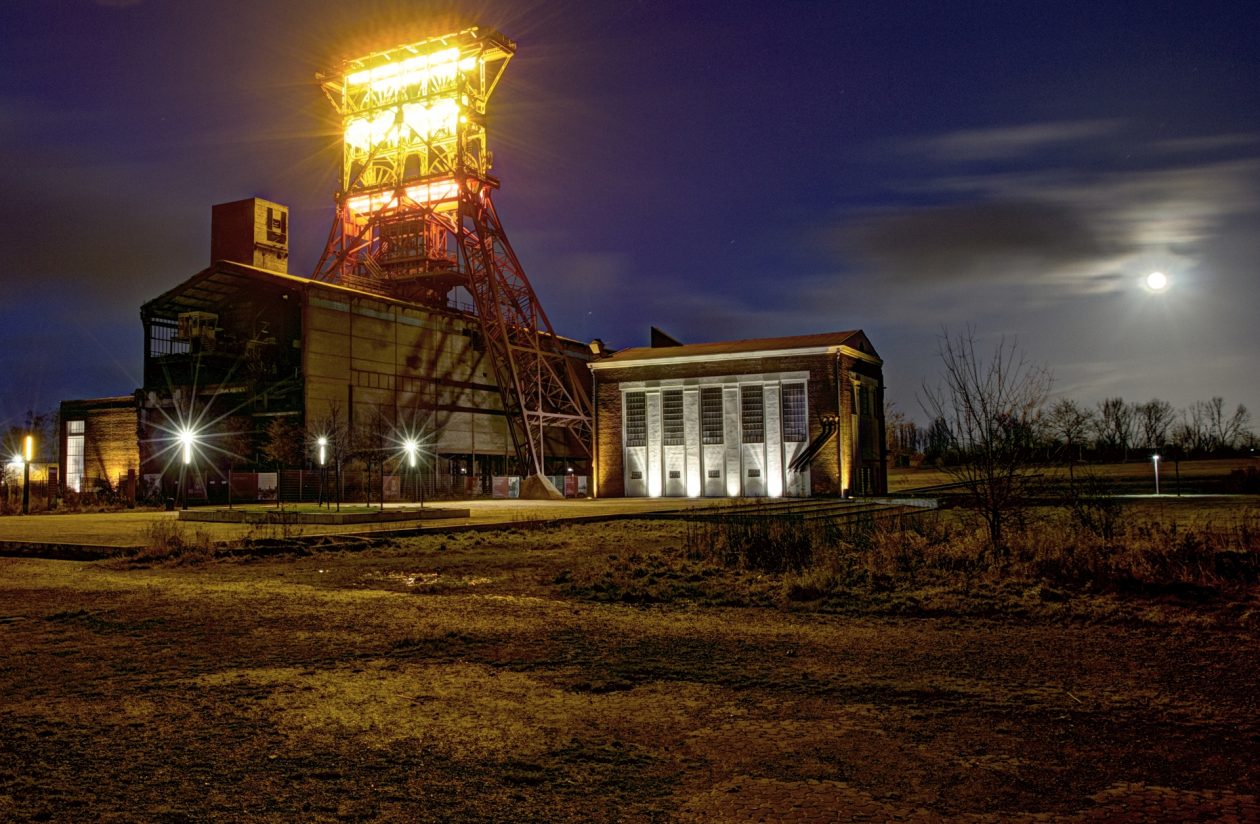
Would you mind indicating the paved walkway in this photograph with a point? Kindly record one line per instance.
(130, 527)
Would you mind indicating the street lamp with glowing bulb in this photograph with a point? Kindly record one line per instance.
(322, 443)
(1155, 462)
(187, 437)
(411, 447)
(28, 455)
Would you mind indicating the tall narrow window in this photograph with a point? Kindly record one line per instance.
(672, 417)
(711, 415)
(74, 455)
(636, 419)
(795, 429)
(752, 414)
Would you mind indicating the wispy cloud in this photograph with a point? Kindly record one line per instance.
(1064, 232)
(1009, 141)
(1208, 143)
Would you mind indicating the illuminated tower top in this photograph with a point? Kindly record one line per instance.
(414, 121)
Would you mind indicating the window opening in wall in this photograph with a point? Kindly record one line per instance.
(164, 338)
(794, 424)
(74, 455)
(636, 419)
(752, 414)
(715, 473)
(672, 417)
(711, 415)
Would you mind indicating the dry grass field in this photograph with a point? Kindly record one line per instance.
(1135, 475)
(607, 672)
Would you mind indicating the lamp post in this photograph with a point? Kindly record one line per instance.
(411, 447)
(187, 438)
(1155, 462)
(322, 443)
(28, 455)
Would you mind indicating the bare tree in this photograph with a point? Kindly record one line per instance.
(1154, 420)
(1226, 431)
(1070, 423)
(902, 434)
(992, 406)
(371, 444)
(1115, 425)
(937, 441)
(1192, 432)
(285, 448)
(333, 428)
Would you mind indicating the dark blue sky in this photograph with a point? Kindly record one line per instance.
(722, 170)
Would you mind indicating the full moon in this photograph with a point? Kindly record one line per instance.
(1157, 281)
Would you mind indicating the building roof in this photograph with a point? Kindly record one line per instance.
(113, 401)
(223, 280)
(750, 347)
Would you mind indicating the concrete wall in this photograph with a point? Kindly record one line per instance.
(424, 369)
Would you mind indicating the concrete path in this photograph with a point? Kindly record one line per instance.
(130, 528)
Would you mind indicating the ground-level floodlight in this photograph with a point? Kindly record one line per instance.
(1155, 462)
(28, 455)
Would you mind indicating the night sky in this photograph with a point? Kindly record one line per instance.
(722, 170)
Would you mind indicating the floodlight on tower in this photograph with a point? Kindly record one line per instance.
(415, 218)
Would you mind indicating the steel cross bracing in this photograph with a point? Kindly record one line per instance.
(539, 383)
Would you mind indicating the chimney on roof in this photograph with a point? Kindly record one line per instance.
(251, 231)
(661, 339)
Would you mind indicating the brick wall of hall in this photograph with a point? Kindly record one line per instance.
(110, 443)
(610, 478)
(821, 389)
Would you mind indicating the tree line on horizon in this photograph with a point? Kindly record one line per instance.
(1111, 430)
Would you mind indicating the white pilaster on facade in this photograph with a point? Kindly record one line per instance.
(691, 430)
(774, 441)
(655, 470)
(743, 464)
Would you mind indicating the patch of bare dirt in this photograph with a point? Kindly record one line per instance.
(467, 678)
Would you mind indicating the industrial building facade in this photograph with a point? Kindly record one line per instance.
(419, 329)
(770, 417)
(237, 346)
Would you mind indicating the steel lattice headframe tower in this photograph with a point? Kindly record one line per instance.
(415, 217)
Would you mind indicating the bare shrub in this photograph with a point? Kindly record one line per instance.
(1095, 506)
(755, 540)
(167, 540)
(1081, 550)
